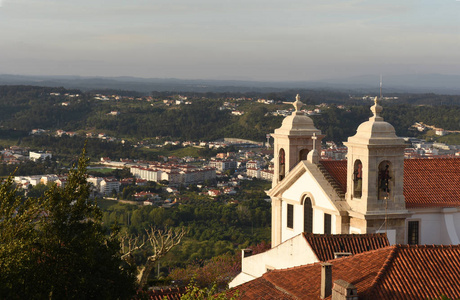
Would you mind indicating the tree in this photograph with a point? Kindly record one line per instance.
(17, 240)
(161, 242)
(196, 293)
(66, 252)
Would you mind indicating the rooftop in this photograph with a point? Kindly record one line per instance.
(430, 182)
(325, 245)
(393, 272)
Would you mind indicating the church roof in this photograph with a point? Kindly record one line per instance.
(325, 245)
(297, 124)
(433, 182)
(393, 272)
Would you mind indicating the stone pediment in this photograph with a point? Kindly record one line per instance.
(308, 179)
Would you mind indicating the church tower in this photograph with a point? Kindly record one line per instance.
(375, 170)
(293, 140)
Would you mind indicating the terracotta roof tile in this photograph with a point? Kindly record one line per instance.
(161, 294)
(393, 272)
(427, 182)
(338, 170)
(259, 289)
(325, 245)
(432, 182)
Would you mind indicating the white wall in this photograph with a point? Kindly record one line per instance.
(321, 203)
(291, 253)
(307, 183)
(438, 226)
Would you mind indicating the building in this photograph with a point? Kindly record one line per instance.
(105, 186)
(412, 201)
(175, 174)
(223, 165)
(108, 185)
(306, 248)
(392, 272)
(253, 172)
(39, 155)
(266, 174)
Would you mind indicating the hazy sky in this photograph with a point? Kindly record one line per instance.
(223, 39)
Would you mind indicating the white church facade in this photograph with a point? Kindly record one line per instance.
(413, 201)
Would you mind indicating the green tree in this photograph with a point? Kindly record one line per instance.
(60, 249)
(18, 240)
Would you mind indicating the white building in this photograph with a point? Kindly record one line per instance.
(108, 185)
(253, 164)
(253, 173)
(39, 155)
(105, 186)
(413, 201)
(174, 174)
(266, 174)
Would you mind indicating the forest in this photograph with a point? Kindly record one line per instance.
(215, 227)
(23, 108)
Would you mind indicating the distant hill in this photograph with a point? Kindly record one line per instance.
(430, 83)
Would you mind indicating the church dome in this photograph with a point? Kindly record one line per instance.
(376, 129)
(297, 123)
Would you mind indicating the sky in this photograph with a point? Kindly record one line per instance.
(265, 40)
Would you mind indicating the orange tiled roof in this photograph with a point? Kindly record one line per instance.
(393, 272)
(162, 294)
(325, 245)
(259, 288)
(427, 182)
(432, 182)
(338, 170)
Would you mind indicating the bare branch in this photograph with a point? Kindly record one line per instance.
(129, 244)
(161, 241)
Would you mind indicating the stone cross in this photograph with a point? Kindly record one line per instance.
(314, 137)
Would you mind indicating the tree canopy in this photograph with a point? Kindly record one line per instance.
(56, 247)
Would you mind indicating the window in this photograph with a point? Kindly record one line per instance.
(303, 154)
(307, 216)
(413, 232)
(327, 224)
(358, 179)
(290, 216)
(384, 181)
(282, 165)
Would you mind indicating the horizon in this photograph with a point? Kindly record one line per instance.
(242, 41)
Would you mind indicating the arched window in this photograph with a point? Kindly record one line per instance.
(303, 154)
(385, 184)
(307, 215)
(282, 164)
(357, 179)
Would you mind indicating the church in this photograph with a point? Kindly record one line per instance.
(375, 191)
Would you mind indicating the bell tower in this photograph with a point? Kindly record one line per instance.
(296, 137)
(375, 173)
(293, 140)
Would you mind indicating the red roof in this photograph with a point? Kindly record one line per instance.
(431, 182)
(325, 245)
(393, 272)
(162, 294)
(338, 170)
